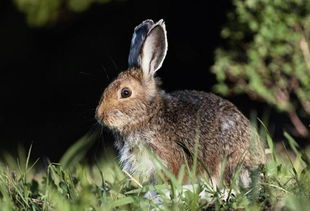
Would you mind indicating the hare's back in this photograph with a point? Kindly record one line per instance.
(206, 102)
(216, 115)
(196, 97)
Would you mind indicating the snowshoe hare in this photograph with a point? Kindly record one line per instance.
(145, 118)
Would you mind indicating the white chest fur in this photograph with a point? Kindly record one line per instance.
(136, 158)
(137, 161)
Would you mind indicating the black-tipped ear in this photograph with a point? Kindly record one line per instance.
(137, 41)
(154, 49)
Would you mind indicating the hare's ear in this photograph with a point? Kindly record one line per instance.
(138, 38)
(154, 49)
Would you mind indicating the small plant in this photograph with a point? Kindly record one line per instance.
(266, 55)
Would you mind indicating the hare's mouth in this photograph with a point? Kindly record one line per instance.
(99, 119)
(105, 122)
(113, 119)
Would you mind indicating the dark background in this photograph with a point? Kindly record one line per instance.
(51, 78)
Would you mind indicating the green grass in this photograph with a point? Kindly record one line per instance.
(72, 185)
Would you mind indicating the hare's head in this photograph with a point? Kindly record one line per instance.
(133, 95)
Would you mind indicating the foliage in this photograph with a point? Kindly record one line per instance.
(45, 12)
(266, 55)
(104, 186)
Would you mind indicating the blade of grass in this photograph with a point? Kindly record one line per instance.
(78, 150)
(122, 202)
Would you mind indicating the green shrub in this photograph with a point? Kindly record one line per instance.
(266, 55)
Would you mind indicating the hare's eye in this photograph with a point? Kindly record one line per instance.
(126, 92)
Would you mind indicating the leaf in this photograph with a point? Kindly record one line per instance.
(122, 202)
(292, 143)
(78, 150)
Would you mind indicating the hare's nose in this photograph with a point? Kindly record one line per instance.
(99, 115)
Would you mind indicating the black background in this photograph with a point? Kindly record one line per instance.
(51, 78)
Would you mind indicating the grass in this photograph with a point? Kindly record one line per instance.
(72, 185)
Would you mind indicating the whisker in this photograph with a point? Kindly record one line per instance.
(93, 77)
(106, 72)
(114, 64)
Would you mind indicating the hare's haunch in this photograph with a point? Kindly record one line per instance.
(145, 118)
